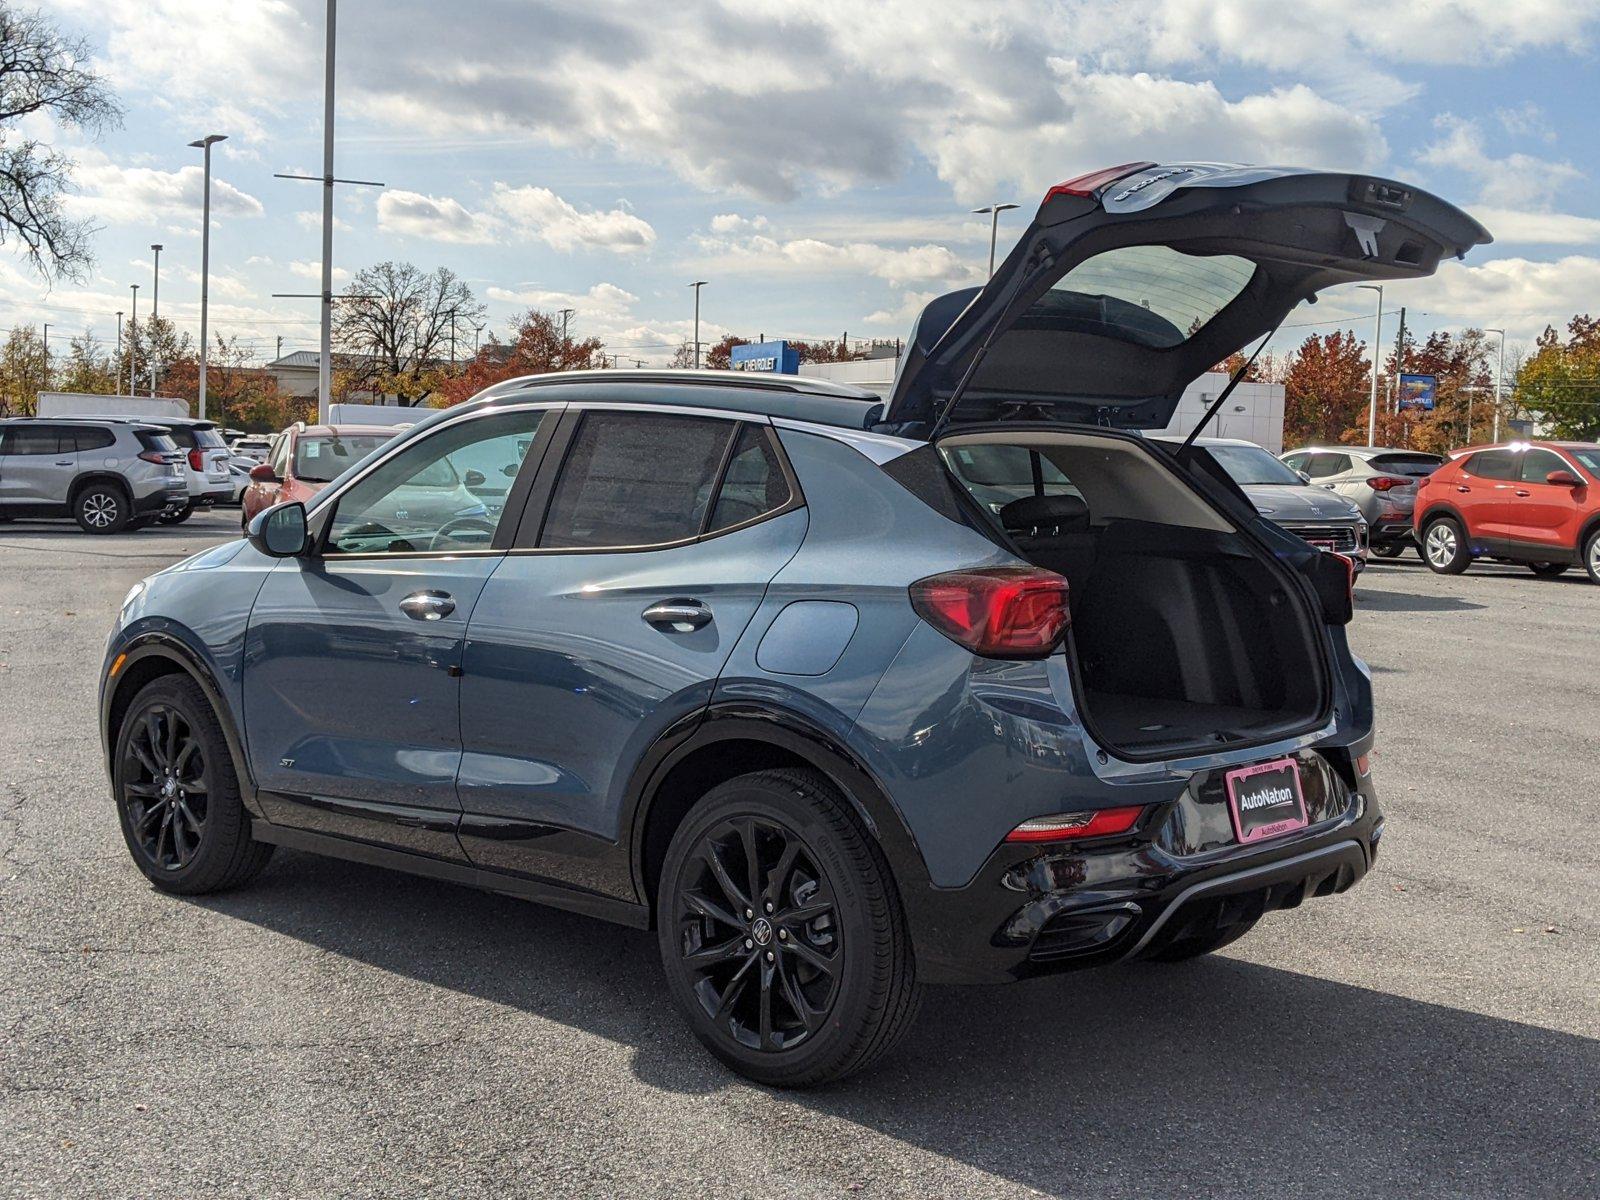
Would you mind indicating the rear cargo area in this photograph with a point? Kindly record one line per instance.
(1186, 637)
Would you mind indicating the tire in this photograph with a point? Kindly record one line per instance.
(177, 518)
(1548, 570)
(1444, 546)
(102, 507)
(191, 839)
(139, 523)
(840, 983)
(1193, 947)
(1591, 556)
(1389, 549)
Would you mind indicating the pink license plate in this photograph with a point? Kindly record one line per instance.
(1265, 800)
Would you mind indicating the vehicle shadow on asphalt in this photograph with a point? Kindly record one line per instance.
(1410, 602)
(1217, 1076)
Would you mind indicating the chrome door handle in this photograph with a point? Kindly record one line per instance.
(428, 605)
(678, 614)
(63, 462)
(1463, 489)
(1520, 492)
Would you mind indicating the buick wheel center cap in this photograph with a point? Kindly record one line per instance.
(761, 931)
(169, 787)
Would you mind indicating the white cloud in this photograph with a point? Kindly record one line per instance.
(1519, 294)
(562, 226)
(1509, 181)
(602, 298)
(313, 270)
(897, 266)
(1539, 228)
(901, 315)
(435, 218)
(139, 195)
(728, 223)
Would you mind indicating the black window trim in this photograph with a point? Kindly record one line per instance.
(531, 527)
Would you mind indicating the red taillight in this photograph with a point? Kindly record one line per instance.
(998, 612)
(197, 460)
(1382, 483)
(1067, 826)
(154, 456)
(1088, 185)
(1350, 572)
(1363, 765)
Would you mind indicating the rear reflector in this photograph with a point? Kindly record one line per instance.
(1088, 185)
(998, 612)
(1067, 826)
(1363, 765)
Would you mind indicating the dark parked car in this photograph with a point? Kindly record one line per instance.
(767, 666)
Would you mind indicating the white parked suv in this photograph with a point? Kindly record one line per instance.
(206, 458)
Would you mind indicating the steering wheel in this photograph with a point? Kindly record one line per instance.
(441, 539)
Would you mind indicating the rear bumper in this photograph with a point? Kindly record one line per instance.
(169, 500)
(1043, 910)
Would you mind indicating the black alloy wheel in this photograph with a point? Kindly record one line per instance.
(101, 508)
(781, 932)
(759, 933)
(177, 794)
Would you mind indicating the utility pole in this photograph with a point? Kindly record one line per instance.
(118, 360)
(204, 145)
(155, 311)
(280, 345)
(1377, 340)
(566, 316)
(993, 211)
(1399, 359)
(327, 180)
(1499, 374)
(133, 341)
(697, 285)
(46, 357)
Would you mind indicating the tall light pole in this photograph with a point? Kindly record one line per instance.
(566, 315)
(994, 211)
(133, 341)
(46, 356)
(204, 145)
(155, 311)
(1499, 374)
(119, 352)
(1377, 335)
(697, 285)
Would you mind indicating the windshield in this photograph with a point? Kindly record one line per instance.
(1251, 464)
(324, 459)
(1589, 457)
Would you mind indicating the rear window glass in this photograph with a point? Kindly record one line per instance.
(324, 459)
(1154, 296)
(182, 435)
(1406, 464)
(997, 474)
(636, 479)
(208, 437)
(1491, 464)
(156, 441)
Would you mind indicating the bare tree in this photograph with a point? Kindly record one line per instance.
(43, 71)
(403, 323)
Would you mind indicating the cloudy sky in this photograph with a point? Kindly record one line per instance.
(815, 160)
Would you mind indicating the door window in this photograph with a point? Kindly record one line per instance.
(1295, 462)
(1536, 464)
(1321, 466)
(419, 501)
(636, 479)
(38, 439)
(92, 437)
(1491, 464)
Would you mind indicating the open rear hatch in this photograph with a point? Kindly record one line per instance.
(1131, 283)
(1196, 625)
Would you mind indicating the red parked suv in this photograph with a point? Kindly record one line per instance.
(1536, 503)
(304, 459)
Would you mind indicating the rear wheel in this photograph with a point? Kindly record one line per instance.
(177, 795)
(101, 508)
(1548, 569)
(1389, 549)
(174, 518)
(781, 932)
(1444, 546)
(1591, 556)
(1195, 945)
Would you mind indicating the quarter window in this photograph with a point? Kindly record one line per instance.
(422, 500)
(636, 479)
(753, 484)
(90, 437)
(1536, 464)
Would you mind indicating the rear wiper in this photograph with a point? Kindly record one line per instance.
(1228, 391)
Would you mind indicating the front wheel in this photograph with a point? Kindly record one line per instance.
(781, 932)
(1591, 557)
(1388, 549)
(177, 795)
(1444, 546)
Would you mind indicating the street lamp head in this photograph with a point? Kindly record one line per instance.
(996, 208)
(157, 246)
(209, 140)
(699, 283)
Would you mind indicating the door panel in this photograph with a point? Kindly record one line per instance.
(1542, 514)
(38, 466)
(566, 685)
(352, 706)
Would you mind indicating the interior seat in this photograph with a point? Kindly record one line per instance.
(1054, 532)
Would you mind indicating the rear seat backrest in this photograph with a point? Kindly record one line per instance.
(1054, 532)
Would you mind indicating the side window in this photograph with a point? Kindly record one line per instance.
(1295, 462)
(37, 439)
(636, 479)
(1320, 466)
(1536, 464)
(1491, 464)
(754, 482)
(94, 437)
(420, 501)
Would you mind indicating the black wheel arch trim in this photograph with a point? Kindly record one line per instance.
(84, 480)
(162, 644)
(784, 729)
(1442, 508)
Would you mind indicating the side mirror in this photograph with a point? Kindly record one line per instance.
(1304, 478)
(1563, 479)
(263, 473)
(474, 479)
(280, 531)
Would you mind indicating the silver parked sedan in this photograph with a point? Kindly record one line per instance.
(1379, 480)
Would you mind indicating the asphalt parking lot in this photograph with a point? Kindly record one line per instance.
(340, 1030)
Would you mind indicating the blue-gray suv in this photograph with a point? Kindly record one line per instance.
(837, 695)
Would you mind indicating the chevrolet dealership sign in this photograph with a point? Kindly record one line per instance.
(765, 356)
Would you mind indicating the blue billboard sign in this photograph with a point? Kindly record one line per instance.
(1418, 391)
(778, 357)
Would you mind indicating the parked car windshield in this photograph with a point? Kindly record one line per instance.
(1251, 464)
(324, 459)
(1590, 460)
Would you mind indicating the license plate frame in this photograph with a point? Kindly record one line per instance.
(1254, 793)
